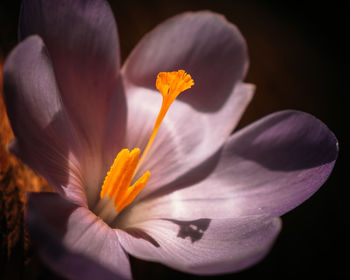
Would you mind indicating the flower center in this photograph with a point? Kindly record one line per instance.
(117, 182)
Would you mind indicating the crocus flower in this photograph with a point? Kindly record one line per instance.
(201, 200)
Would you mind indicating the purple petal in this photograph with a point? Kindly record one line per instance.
(73, 241)
(45, 138)
(204, 44)
(202, 246)
(82, 40)
(269, 167)
(186, 137)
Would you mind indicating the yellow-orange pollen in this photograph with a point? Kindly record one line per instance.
(117, 182)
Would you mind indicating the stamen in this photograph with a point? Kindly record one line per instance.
(119, 177)
(117, 182)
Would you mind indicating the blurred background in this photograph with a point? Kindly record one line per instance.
(298, 60)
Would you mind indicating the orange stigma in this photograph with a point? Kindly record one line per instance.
(117, 182)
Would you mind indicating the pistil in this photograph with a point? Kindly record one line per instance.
(117, 182)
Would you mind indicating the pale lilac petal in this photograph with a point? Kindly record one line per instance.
(202, 246)
(82, 40)
(45, 138)
(204, 44)
(186, 137)
(196, 127)
(73, 241)
(269, 167)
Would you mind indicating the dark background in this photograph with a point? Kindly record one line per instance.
(298, 58)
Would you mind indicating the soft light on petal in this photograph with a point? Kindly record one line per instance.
(45, 137)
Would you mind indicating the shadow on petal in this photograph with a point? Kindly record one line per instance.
(138, 233)
(192, 229)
